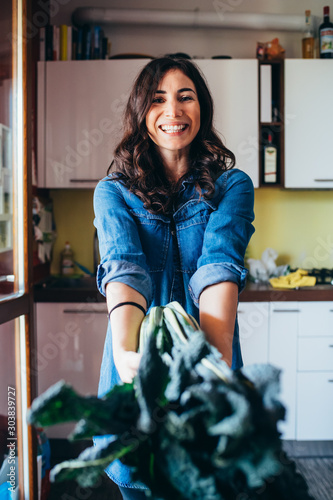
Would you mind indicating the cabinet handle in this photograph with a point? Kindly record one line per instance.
(78, 311)
(331, 345)
(330, 380)
(286, 310)
(323, 180)
(84, 180)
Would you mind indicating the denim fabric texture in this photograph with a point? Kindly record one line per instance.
(175, 257)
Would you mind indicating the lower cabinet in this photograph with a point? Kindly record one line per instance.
(283, 354)
(314, 403)
(70, 340)
(296, 337)
(253, 331)
(314, 406)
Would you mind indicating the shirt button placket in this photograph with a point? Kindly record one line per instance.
(177, 292)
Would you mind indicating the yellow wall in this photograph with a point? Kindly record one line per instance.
(297, 224)
(73, 215)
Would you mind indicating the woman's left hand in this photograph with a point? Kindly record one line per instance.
(127, 364)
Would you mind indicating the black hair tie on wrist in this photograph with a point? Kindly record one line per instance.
(128, 304)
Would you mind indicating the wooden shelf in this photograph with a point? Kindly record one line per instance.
(275, 128)
(271, 124)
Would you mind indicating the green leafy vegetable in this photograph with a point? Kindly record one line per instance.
(189, 426)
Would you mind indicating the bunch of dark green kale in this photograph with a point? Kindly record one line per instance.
(190, 427)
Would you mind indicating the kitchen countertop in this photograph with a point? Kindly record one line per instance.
(264, 292)
(53, 289)
(83, 289)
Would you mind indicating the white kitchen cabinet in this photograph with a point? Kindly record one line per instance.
(234, 87)
(253, 331)
(70, 340)
(315, 354)
(316, 319)
(308, 123)
(284, 317)
(81, 104)
(315, 406)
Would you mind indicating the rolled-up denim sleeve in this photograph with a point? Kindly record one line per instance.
(227, 235)
(121, 255)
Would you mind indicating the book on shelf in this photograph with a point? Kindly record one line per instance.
(69, 43)
(86, 52)
(74, 42)
(65, 43)
(56, 43)
(42, 44)
(49, 42)
(79, 44)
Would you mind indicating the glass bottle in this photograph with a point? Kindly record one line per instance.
(326, 36)
(308, 37)
(67, 260)
(270, 162)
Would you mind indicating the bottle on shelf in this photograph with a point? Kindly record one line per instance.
(308, 37)
(67, 260)
(326, 36)
(270, 162)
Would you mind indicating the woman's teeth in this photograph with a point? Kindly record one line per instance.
(169, 129)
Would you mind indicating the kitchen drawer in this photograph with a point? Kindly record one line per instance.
(315, 354)
(316, 319)
(314, 406)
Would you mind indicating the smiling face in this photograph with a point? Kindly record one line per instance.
(173, 119)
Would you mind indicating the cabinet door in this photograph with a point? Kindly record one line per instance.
(316, 319)
(315, 406)
(308, 123)
(253, 331)
(84, 105)
(234, 87)
(315, 354)
(70, 340)
(283, 354)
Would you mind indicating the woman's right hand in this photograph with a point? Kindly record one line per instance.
(127, 364)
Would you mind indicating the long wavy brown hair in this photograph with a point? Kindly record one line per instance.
(137, 163)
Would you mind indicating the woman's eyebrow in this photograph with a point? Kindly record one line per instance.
(185, 89)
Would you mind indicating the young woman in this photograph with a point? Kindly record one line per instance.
(174, 219)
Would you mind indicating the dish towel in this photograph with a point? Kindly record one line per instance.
(293, 280)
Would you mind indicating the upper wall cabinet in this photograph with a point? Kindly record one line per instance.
(234, 87)
(308, 123)
(81, 104)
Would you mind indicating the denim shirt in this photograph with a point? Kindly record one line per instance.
(175, 257)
